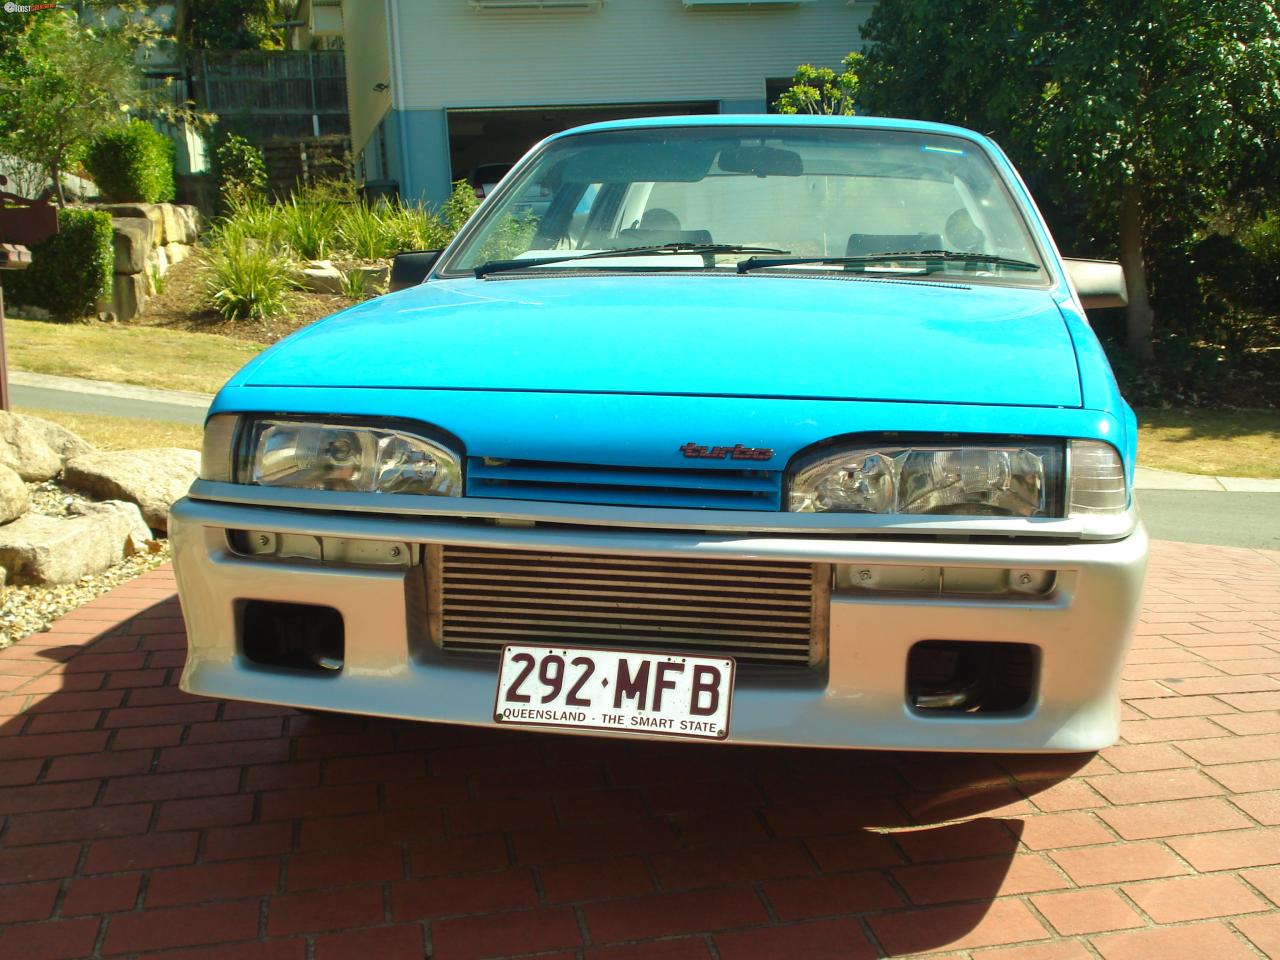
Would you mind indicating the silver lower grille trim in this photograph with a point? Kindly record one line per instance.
(762, 613)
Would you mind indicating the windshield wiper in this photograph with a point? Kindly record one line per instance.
(909, 256)
(705, 250)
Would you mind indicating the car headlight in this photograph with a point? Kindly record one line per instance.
(330, 456)
(1008, 480)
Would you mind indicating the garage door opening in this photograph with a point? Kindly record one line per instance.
(484, 143)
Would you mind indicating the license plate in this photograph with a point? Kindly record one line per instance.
(653, 694)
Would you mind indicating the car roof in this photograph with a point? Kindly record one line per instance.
(777, 120)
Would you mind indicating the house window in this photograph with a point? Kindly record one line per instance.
(774, 87)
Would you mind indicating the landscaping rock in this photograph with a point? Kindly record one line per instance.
(177, 252)
(40, 549)
(132, 237)
(65, 444)
(321, 276)
(20, 312)
(128, 294)
(149, 211)
(14, 495)
(375, 276)
(175, 228)
(153, 479)
(157, 267)
(190, 217)
(25, 448)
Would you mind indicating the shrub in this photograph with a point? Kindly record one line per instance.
(71, 270)
(309, 224)
(252, 218)
(247, 279)
(413, 228)
(132, 162)
(385, 229)
(241, 170)
(363, 231)
(459, 207)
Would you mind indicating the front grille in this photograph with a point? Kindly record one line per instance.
(702, 488)
(762, 613)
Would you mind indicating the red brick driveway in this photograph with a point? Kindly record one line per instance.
(139, 821)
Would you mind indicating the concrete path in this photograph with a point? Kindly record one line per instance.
(74, 395)
(1149, 478)
(139, 821)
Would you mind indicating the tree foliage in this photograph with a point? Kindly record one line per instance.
(234, 24)
(132, 161)
(821, 90)
(241, 170)
(1156, 110)
(64, 79)
(65, 83)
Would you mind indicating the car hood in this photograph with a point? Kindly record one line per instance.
(670, 334)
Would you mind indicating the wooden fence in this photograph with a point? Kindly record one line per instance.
(275, 94)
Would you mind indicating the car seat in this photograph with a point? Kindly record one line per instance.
(659, 226)
(869, 244)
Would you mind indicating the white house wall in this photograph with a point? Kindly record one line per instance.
(451, 55)
(365, 39)
(454, 55)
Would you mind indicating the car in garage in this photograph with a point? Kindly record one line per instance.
(763, 430)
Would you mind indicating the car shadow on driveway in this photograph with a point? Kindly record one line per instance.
(140, 818)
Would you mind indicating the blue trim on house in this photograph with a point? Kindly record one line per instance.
(417, 154)
(744, 106)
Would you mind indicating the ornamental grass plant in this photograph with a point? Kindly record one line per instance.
(256, 247)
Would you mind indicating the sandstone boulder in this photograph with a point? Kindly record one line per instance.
(39, 549)
(321, 276)
(14, 495)
(149, 211)
(64, 443)
(128, 294)
(25, 448)
(153, 479)
(375, 276)
(190, 217)
(132, 237)
(177, 252)
(175, 229)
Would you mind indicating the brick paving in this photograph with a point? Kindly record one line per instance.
(140, 821)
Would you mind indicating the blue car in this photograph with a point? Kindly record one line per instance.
(765, 430)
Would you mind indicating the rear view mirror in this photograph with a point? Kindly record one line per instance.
(410, 269)
(761, 161)
(1100, 283)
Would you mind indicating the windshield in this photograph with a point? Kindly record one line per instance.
(808, 192)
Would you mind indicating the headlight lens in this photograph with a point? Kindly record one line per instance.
(982, 479)
(327, 456)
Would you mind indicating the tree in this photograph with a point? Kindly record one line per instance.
(1151, 108)
(822, 90)
(235, 24)
(63, 80)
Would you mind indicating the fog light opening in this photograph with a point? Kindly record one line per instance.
(946, 676)
(293, 636)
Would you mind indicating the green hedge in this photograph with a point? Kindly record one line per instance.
(70, 270)
(241, 170)
(132, 162)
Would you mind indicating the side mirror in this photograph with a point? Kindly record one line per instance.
(410, 269)
(1100, 283)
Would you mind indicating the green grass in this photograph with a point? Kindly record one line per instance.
(144, 356)
(1225, 443)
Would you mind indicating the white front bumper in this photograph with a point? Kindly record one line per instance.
(858, 699)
